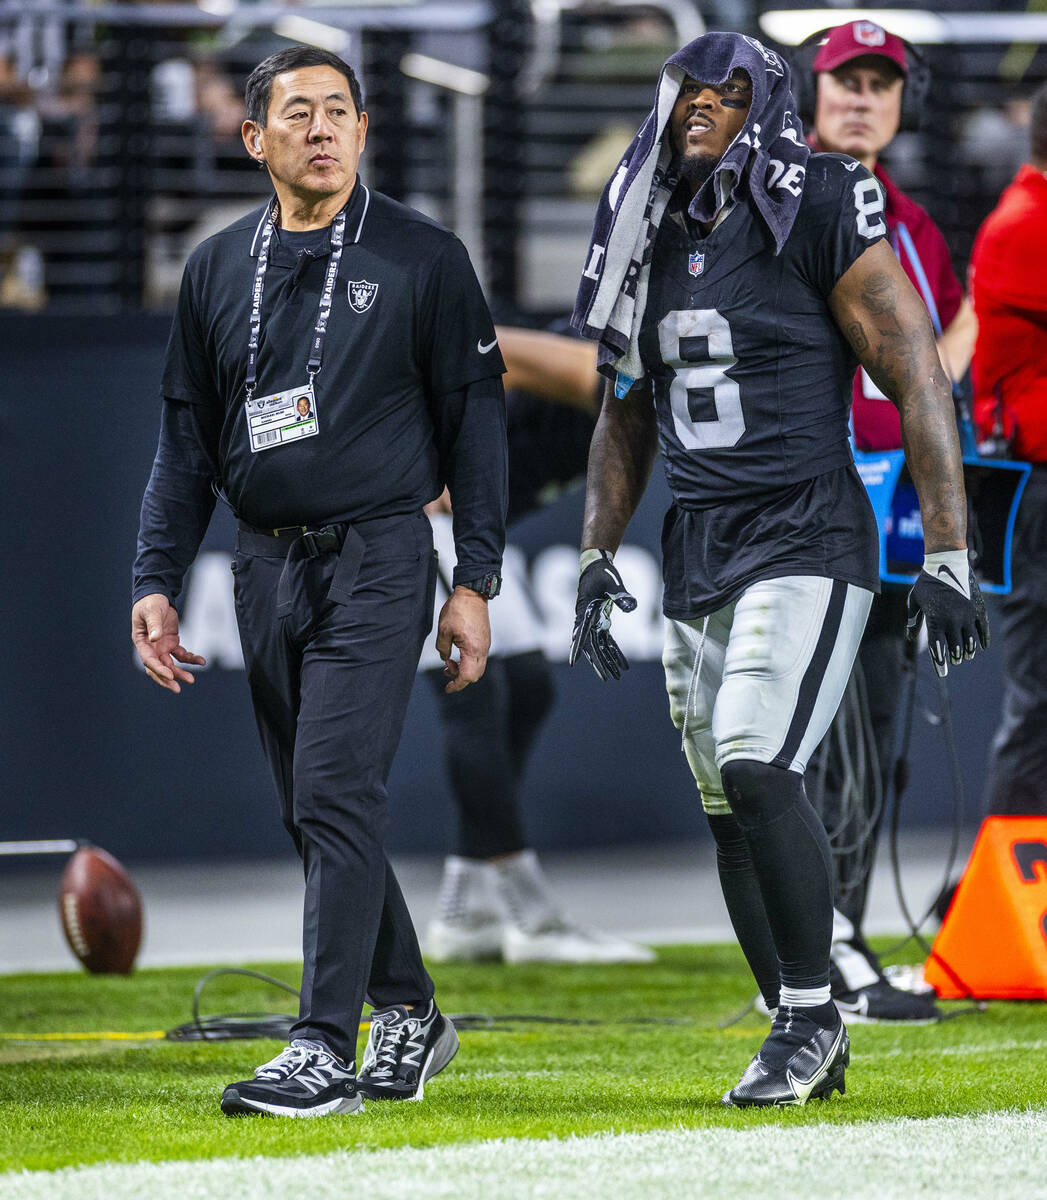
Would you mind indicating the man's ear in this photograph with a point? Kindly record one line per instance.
(251, 132)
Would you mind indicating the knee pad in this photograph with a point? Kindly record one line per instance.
(759, 792)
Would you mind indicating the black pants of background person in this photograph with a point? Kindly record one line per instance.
(331, 645)
(1017, 775)
(881, 657)
(489, 729)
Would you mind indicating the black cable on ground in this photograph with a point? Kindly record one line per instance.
(237, 1025)
(942, 718)
(244, 1026)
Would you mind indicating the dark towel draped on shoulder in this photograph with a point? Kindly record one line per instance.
(767, 160)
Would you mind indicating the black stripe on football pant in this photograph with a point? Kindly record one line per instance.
(811, 684)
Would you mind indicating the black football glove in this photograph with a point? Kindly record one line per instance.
(599, 586)
(947, 594)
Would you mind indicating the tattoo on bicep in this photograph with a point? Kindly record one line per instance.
(893, 353)
(857, 338)
(878, 293)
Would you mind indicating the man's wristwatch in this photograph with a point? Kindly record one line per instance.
(488, 585)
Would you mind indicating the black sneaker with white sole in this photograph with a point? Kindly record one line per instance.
(404, 1049)
(305, 1080)
(880, 1001)
(799, 1060)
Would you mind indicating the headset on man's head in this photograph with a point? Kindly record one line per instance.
(914, 93)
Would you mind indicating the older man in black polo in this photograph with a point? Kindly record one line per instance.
(371, 312)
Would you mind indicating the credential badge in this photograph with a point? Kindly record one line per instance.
(696, 263)
(361, 294)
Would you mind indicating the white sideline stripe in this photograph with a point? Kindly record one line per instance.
(997, 1154)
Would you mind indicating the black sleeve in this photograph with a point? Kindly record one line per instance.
(187, 366)
(458, 338)
(470, 438)
(850, 219)
(178, 500)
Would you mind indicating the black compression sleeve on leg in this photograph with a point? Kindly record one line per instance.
(531, 695)
(479, 758)
(741, 893)
(792, 861)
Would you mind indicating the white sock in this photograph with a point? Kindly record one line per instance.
(467, 892)
(804, 997)
(524, 890)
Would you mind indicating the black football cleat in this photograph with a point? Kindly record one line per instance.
(404, 1049)
(305, 1080)
(798, 1061)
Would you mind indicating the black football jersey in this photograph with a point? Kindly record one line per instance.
(751, 378)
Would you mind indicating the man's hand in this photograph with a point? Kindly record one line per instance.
(154, 631)
(599, 586)
(947, 594)
(464, 623)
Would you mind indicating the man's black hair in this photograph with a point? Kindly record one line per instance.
(1038, 126)
(259, 88)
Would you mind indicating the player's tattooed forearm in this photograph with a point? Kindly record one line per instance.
(933, 454)
(620, 458)
(857, 337)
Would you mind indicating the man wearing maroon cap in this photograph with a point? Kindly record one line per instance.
(860, 73)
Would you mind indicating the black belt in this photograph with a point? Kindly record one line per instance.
(295, 542)
(311, 541)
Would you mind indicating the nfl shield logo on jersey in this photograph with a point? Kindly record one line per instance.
(696, 263)
(361, 294)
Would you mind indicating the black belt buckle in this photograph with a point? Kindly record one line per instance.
(320, 541)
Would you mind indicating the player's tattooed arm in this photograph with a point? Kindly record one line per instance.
(620, 458)
(886, 322)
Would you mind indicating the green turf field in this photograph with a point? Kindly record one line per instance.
(84, 1100)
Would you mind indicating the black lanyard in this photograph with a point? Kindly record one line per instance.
(323, 312)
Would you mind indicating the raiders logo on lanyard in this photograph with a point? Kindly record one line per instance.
(290, 415)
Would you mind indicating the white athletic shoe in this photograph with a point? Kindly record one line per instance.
(562, 942)
(474, 940)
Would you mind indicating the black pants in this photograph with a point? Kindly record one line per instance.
(488, 732)
(331, 644)
(1017, 776)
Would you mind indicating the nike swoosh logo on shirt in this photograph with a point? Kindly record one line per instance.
(488, 348)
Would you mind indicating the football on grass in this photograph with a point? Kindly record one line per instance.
(101, 912)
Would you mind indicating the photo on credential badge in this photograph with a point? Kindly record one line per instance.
(305, 407)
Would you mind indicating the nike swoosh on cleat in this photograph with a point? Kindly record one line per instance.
(488, 348)
(802, 1088)
(859, 1007)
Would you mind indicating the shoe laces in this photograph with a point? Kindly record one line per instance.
(291, 1060)
(389, 1042)
(790, 1030)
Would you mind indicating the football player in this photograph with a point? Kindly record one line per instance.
(734, 281)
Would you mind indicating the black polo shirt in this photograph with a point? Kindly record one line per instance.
(409, 390)
(426, 333)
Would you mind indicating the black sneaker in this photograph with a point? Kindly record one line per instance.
(405, 1049)
(882, 1002)
(798, 1061)
(305, 1080)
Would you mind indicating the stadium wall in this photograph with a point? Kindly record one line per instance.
(88, 748)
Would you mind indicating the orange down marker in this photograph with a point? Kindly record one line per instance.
(993, 941)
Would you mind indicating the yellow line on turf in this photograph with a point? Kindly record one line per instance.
(106, 1036)
(83, 1037)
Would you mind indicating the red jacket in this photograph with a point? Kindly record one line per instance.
(1008, 279)
(876, 422)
